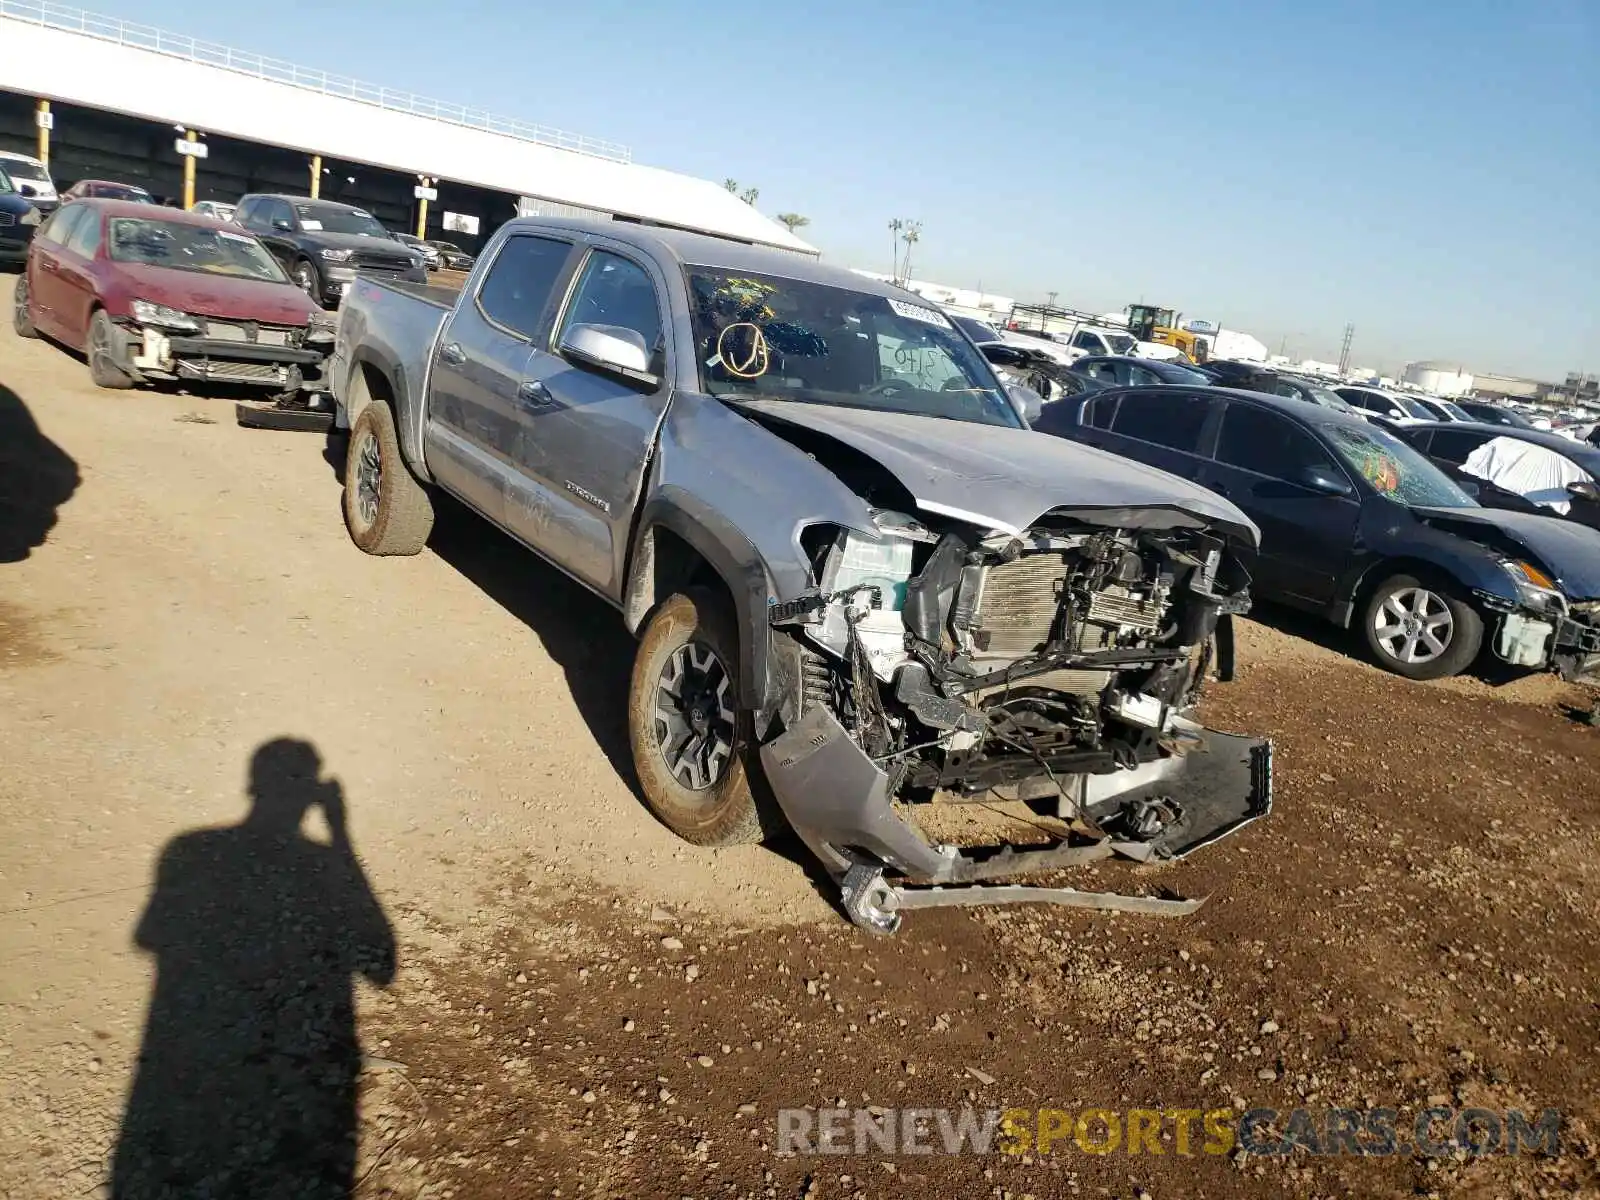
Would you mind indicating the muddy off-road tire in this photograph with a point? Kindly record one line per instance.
(1421, 628)
(692, 745)
(21, 319)
(386, 508)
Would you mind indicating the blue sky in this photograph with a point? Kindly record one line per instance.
(1429, 171)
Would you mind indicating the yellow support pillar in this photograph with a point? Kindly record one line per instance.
(44, 121)
(188, 172)
(316, 176)
(422, 211)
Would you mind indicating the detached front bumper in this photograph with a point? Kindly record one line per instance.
(837, 799)
(152, 354)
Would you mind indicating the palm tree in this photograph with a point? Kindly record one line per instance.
(793, 221)
(732, 185)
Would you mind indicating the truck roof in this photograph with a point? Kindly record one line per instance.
(727, 254)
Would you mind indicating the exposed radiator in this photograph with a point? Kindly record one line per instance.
(1018, 608)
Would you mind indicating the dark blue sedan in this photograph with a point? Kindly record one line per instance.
(1360, 528)
(18, 219)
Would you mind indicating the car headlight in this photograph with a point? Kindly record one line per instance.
(1535, 589)
(148, 312)
(31, 217)
(336, 255)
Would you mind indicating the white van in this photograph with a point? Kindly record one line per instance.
(32, 180)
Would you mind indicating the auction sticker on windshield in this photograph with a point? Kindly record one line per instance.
(917, 313)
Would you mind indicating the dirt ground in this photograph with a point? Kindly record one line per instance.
(553, 997)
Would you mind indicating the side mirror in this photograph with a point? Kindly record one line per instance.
(610, 348)
(1028, 403)
(1583, 489)
(283, 226)
(1325, 482)
(1470, 487)
(27, 189)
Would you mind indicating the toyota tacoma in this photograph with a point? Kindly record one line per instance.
(865, 593)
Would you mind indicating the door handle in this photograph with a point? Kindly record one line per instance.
(534, 393)
(46, 264)
(453, 354)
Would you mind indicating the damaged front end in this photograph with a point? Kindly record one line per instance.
(155, 342)
(1053, 671)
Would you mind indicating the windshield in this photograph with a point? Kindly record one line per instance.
(1394, 469)
(6, 186)
(1177, 373)
(763, 336)
(1120, 343)
(326, 218)
(192, 248)
(1455, 410)
(1329, 399)
(123, 191)
(976, 330)
(1413, 408)
(21, 168)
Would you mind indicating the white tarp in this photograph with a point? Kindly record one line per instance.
(1531, 471)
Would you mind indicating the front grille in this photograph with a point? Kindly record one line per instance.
(239, 372)
(250, 332)
(7, 219)
(366, 261)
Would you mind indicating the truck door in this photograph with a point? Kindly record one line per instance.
(476, 401)
(588, 431)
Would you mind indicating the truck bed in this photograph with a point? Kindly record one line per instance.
(395, 324)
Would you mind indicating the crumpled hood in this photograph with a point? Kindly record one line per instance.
(1003, 478)
(1568, 552)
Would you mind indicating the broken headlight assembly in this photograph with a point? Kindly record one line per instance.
(1535, 589)
(162, 316)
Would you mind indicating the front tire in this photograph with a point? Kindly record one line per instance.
(1421, 629)
(306, 278)
(386, 508)
(104, 337)
(693, 748)
(21, 316)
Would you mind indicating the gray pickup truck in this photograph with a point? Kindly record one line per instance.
(864, 591)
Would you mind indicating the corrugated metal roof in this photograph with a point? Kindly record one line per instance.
(97, 72)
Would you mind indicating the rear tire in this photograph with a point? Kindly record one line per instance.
(104, 338)
(1421, 628)
(386, 508)
(21, 317)
(693, 747)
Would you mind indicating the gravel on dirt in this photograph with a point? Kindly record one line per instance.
(522, 986)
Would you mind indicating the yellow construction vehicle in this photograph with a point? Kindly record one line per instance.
(1148, 323)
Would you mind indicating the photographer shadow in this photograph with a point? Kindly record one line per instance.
(246, 1081)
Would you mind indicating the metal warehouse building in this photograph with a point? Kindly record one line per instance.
(103, 98)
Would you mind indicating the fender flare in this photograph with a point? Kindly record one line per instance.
(740, 567)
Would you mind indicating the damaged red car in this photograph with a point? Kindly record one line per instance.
(157, 294)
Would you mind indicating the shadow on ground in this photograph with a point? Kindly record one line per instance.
(246, 1080)
(36, 478)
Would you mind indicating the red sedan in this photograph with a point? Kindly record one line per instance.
(155, 293)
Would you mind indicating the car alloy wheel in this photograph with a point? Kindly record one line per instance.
(694, 716)
(369, 478)
(1413, 626)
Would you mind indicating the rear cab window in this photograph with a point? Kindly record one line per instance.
(516, 290)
